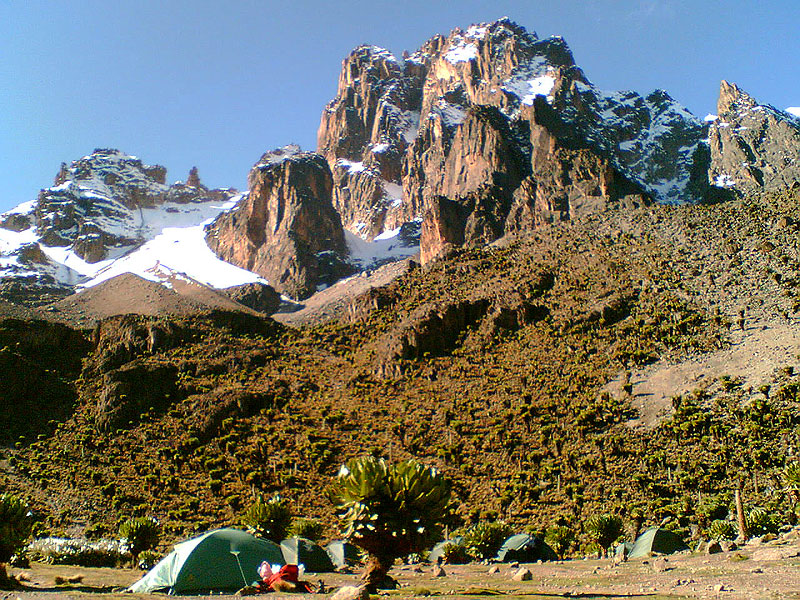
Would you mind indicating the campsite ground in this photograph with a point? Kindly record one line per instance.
(756, 571)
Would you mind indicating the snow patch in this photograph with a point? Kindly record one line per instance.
(724, 181)
(476, 32)
(352, 167)
(393, 191)
(794, 110)
(176, 250)
(450, 114)
(25, 208)
(461, 52)
(527, 89)
(384, 248)
(709, 118)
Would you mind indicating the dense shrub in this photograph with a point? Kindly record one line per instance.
(140, 534)
(761, 521)
(483, 540)
(84, 553)
(454, 553)
(721, 529)
(604, 530)
(269, 519)
(307, 528)
(15, 525)
(560, 538)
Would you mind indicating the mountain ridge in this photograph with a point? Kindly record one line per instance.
(453, 144)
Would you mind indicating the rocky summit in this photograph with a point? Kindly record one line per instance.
(570, 301)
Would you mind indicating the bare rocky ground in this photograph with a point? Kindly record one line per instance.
(756, 571)
(733, 265)
(332, 303)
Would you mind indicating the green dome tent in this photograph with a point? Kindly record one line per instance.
(342, 553)
(525, 548)
(209, 563)
(656, 540)
(300, 551)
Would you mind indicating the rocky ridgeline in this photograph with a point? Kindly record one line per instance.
(94, 202)
(453, 134)
(486, 132)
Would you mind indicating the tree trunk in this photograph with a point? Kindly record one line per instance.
(375, 571)
(6, 582)
(740, 519)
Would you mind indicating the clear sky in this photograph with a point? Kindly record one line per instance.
(217, 83)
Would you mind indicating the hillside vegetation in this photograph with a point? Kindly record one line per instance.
(489, 364)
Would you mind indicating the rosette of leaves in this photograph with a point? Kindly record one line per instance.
(454, 553)
(604, 529)
(16, 521)
(141, 534)
(310, 529)
(760, 521)
(560, 538)
(791, 475)
(269, 519)
(484, 539)
(390, 511)
(722, 529)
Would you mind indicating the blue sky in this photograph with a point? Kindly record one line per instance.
(216, 84)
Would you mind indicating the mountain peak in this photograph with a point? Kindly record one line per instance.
(733, 98)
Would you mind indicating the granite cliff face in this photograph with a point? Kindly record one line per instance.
(753, 146)
(455, 122)
(555, 177)
(286, 228)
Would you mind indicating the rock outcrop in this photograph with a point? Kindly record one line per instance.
(286, 228)
(455, 123)
(550, 175)
(258, 296)
(753, 146)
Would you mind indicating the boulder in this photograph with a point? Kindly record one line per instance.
(777, 553)
(351, 592)
(522, 575)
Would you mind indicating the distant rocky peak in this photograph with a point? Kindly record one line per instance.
(372, 61)
(733, 99)
(753, 146)
(110, 167)
(96, 202)
(278, 155)
(285, 228)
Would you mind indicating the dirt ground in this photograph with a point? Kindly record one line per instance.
(755, 571)
(754, 353)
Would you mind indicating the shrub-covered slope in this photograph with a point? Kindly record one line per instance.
(490, 364)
